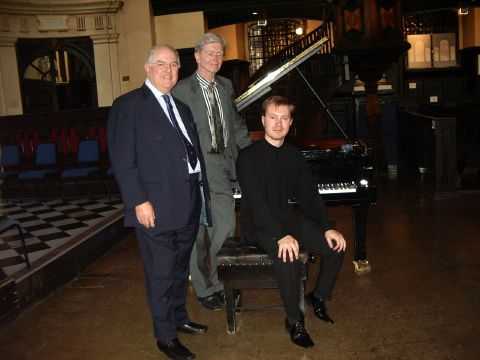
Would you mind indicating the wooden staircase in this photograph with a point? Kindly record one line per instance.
(287, 53)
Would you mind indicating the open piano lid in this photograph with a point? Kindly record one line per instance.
(263, 86)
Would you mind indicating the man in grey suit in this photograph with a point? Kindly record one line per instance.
(221, 130)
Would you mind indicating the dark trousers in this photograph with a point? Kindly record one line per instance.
(166, 259)
(288, 273)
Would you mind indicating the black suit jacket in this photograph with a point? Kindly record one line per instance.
(149, 159)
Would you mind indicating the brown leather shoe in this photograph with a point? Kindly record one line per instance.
(174, 349)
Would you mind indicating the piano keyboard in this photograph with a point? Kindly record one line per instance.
(337, 188)
(333, 188)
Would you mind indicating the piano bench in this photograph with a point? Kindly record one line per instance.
(244, 266)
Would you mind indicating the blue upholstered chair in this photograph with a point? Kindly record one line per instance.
(88, 160)
(9, 164)
(45, 166)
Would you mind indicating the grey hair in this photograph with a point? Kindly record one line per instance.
(209, 38)
(154, 48)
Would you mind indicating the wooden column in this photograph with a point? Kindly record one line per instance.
(370, 33)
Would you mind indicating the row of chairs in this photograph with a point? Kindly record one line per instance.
(45, 167)
(66, 139)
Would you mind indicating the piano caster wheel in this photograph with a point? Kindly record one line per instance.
(362, 267)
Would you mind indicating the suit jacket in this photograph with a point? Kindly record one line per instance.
(149, 159)
(189, 91)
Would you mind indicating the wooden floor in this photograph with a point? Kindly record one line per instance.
(421, 300)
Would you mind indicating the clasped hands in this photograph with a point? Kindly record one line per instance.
(288, 248)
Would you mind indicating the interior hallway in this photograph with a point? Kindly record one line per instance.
(421, 301)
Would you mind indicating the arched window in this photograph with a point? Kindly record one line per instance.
(56, 74)
(268, 37)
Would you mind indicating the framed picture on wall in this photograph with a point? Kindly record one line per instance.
(419, 55)
(444, 50)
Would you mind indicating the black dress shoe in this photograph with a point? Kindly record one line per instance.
(192, 328)
(211, 302)
(221, 296)
(174, 349)
(298, 334)
(318, 307)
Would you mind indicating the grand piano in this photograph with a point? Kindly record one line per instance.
(343, 168)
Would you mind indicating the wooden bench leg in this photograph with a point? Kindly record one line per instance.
(230, 307)
(237, 298)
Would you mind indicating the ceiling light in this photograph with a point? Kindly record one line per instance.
(254, 13)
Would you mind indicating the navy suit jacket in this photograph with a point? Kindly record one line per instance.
(149, 159)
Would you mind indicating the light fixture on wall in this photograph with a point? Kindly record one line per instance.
(299, 30)
(462, 11)
(262, 22)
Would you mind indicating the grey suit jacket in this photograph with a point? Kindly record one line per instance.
(188, 90)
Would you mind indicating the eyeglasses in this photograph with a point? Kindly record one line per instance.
(163, 65)
(214, 54)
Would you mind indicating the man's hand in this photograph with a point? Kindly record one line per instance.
(145, 214)
(335, 240)
(288, 248)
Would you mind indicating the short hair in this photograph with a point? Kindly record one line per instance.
(154, 48)
(209, 38)
(277, 100)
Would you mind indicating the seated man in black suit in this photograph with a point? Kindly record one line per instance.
(271, 172)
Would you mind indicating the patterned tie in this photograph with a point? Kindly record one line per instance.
(191, 153)
(217, 135)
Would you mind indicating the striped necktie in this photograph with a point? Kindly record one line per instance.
(217, 135)
(191, 153)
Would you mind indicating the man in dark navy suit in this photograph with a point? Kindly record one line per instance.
(159, 167)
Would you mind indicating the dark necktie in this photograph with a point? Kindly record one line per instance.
(219, 145)
(191, 153)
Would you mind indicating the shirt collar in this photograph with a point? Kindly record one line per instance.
(155, 91)
(273, 149)
(205, 83)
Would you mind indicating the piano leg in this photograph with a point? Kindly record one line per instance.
(360, 262)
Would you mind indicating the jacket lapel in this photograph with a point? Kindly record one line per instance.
(155, 109)
(188, 123)
(199, 106)
(223, 93)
